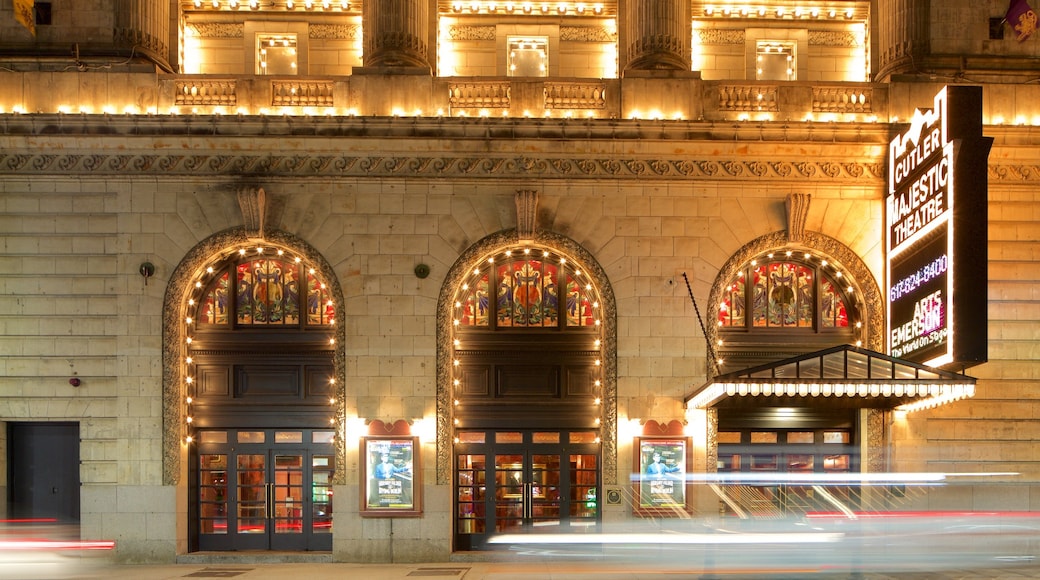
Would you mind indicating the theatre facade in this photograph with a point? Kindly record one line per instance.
(378, 281)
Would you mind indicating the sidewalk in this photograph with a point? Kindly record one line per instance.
(495, 571)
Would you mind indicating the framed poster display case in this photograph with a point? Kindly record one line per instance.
(391, 477)
(662, 464)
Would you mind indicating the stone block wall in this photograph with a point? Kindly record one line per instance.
(72, 300)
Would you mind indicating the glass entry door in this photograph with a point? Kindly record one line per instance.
(514, 482)
(264, 490)
(527, 491)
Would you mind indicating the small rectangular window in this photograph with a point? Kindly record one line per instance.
(583, 437)
(801, 437)
(276, 54)
(323, 436)
(729, 437)
(251, 437)
(839, 437)
(509, 437)
(528, 56)
(213, 437)
(545, 437)
(471, 437)
(775, 61)
(288, 437)
(764, 437)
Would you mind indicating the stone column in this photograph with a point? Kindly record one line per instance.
(902, 36)
(396, 33)
(142, 28)
(656, 34)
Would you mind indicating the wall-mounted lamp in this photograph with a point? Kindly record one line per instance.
(147, 270)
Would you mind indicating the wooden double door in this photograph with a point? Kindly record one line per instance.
(524, 482)
(264, 489)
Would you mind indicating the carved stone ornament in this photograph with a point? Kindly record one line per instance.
(471, 32)
(797, 205)
(587, 34)
(720, 36)
(333, 31)
(253, 202)
(296, 165)
(839, 38)
(218, 29)
(526, 214)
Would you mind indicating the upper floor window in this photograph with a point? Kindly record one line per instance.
(276, 54)
(266, 292)
(785, 293)
(775, 61)
(528, 57)
(521, 289)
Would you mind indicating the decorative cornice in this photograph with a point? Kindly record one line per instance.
(304, 165)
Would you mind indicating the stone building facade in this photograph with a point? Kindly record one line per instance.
(400, 149)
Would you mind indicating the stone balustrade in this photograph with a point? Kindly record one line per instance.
(643, 97)
(201, 92)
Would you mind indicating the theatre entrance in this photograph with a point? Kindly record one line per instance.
(260, 404)
(527, 393)
(265, 489)
(514, 482)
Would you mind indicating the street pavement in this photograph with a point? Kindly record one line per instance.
(554, 570)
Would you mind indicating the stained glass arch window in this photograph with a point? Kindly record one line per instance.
(788, 292)
(784, 303)
(261, 291)
(527, 288)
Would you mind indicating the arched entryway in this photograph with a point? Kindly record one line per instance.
(253, 393)
(775, 300)
(529, 388)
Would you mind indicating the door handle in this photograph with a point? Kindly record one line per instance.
(528, 500)
(269, 500)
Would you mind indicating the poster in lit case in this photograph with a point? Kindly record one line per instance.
(390, 476)
(662, 473)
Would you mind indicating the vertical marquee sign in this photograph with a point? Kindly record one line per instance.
(935, 234)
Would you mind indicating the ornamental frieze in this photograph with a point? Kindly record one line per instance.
(839, 38)
(334, 31)
(720, 36)
(436, 167)
(218, 29)
(587, 34)
(469, 32)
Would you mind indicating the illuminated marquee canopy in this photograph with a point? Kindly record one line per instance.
(936, 234)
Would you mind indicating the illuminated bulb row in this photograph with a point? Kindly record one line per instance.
(189, 378)
(934, 394)
(638, 115)
(257, 5)
(779, 12)
(562, 8)
(596, 345)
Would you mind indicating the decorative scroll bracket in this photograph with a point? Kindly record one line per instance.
(253, 202)
(797, 205)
